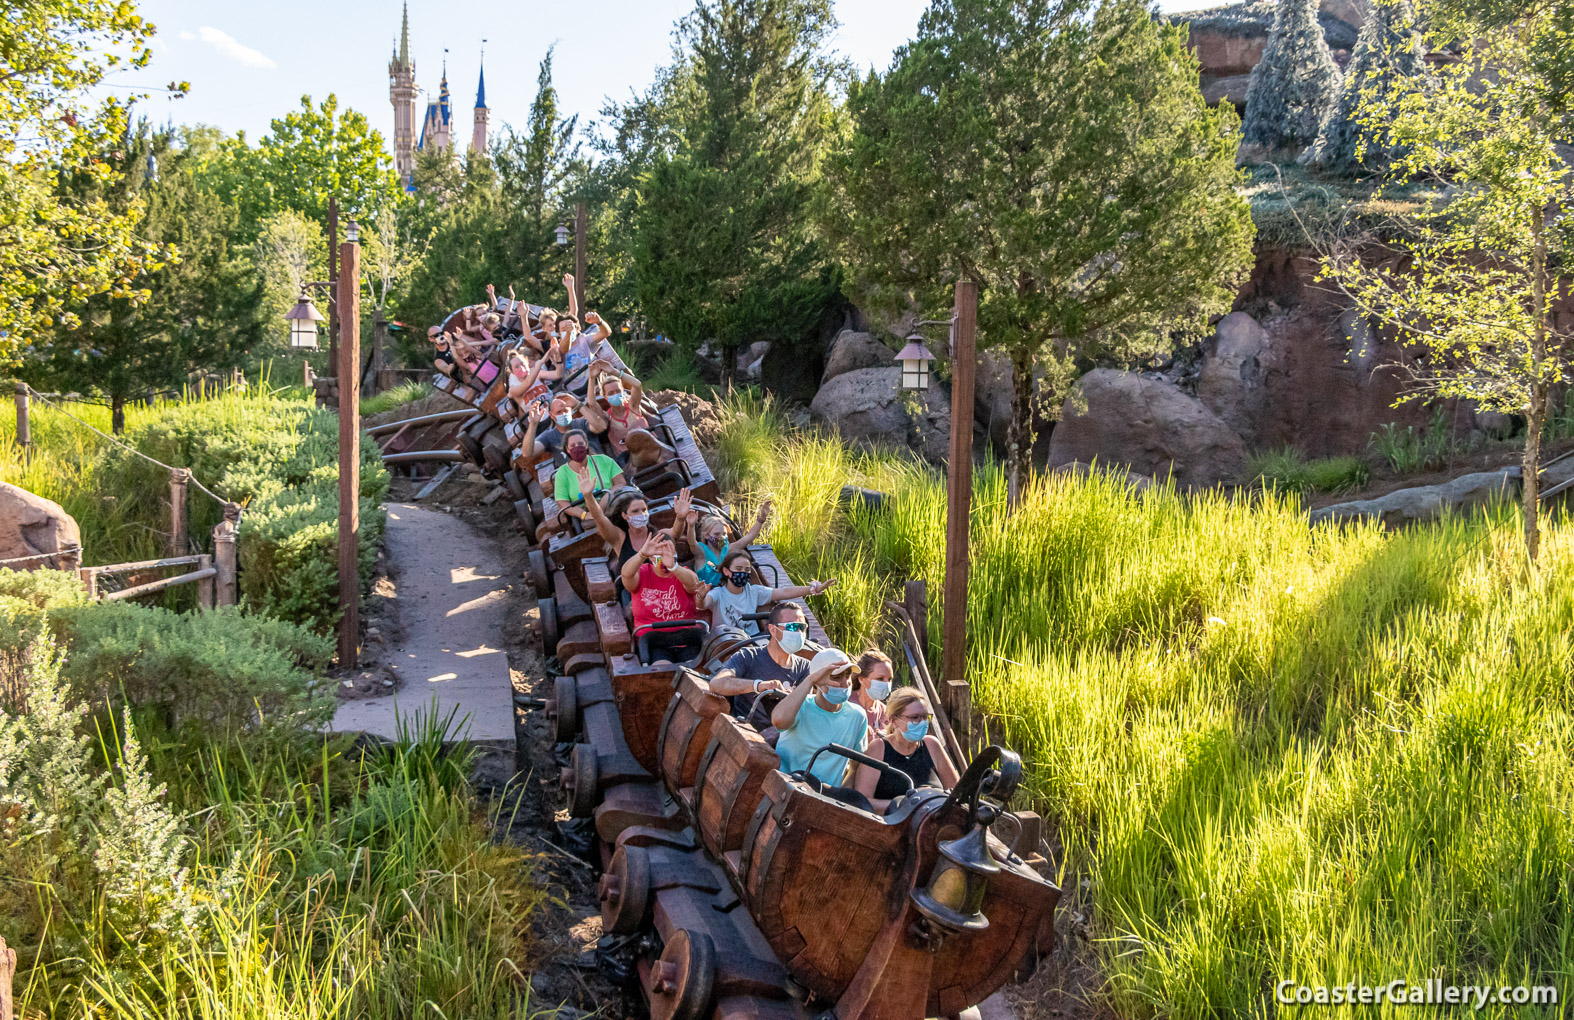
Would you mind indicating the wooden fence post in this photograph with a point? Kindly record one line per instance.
(89, 578)
(349, 313)
(24, 429)
(7, 972)
(178, 479)
(915, 599)
(224, 555)
(205, 586)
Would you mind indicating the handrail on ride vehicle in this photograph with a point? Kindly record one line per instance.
(860, 758)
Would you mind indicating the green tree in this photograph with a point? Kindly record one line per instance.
(1469, 284)
(288, 251)
(724, 246)
(200, 311)
(308, 156)
(58, 248)
(1062, 156)
(1295, 86)
(1390, 54)
(533, 168)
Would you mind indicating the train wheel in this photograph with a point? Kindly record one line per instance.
(526, 515)
(683, 979)
(516, 488)
(536, 570)
(625, 891)
(550, 631)
(565, 708)
(472, 449)
(580, 781)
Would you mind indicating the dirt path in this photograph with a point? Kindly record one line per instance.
(450, 590)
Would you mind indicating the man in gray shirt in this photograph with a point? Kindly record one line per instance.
(775, 668)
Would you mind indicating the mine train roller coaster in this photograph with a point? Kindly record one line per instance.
(729, 888)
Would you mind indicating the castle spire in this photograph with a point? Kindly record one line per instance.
(404, 38)
(480, 89)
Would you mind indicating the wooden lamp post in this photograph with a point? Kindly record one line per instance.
(959, 497)
(349, 369)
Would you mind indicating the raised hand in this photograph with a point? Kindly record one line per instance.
(652, 547)
(591, 318)
(683, 503)
(818, 587)
(568, 280)
(764, 514)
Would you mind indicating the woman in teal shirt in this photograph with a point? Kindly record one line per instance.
(583, 469)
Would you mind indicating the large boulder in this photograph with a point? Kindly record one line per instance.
(31, 525)
(1234, 375)
(1149, 426)
(868, 405)
(852, 350)
(1425, 502)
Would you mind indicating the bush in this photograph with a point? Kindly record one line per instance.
(1286, 469)
(280, 459)
(225, 667)
(1410, 450)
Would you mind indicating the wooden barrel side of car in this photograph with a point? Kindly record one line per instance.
(875, 914)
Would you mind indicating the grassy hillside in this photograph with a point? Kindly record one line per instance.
(1270, 750)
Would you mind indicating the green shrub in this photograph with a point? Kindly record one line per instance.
(1286, 469)
(390, 399)
(1410, 450)
(226, 667)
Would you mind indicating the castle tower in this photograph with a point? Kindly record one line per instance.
(437, 128)
(478, 135)
(402, 93)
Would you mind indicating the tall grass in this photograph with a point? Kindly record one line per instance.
(1270, 750)
(330, 881)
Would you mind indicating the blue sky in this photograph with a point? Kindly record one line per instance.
(250, 62)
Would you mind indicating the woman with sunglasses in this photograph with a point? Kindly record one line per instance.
(907, 744)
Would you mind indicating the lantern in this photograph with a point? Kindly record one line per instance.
(915, 359)
(352, 232)
(954, 897)
(562, 234)
(303, 319)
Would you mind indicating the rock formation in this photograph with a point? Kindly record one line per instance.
(1148, 426)
(31, 525)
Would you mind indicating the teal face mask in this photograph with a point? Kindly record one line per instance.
(837, 695)
(615, 399)
(916, 731)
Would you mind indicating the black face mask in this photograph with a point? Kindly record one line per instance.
(739, 577)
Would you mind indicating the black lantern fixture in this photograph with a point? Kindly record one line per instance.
(954, 897)
(352, 232)
(303, 319)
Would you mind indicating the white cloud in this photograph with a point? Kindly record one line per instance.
(187, 36)
(227, 45)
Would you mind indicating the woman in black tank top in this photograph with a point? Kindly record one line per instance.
(907, 745)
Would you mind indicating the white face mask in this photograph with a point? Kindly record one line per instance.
(879, 690)
(792, 640)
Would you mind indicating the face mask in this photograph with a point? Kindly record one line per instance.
(792, 640)
(639, 520)
(837, 695)
(717, 541)
(563, 419)
(915, 730)
(879, 690)
(615, 399)
(578, 454)
(739, 577)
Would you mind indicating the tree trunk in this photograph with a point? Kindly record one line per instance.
(1019, 432)
(117, 414)
(1530, 490)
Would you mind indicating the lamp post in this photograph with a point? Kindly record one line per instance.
(915, 357)
(349, 447)
(562, 234)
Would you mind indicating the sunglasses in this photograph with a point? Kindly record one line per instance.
(796, 628)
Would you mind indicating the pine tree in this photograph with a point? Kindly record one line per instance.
(724, 243)
(1295, 85)
(532, 169)
(1390, 55)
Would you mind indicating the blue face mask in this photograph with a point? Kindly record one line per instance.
(792, 640)
(915, 731)
(563, 420)
(616, 400)
(879, 690)
(837, 695)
